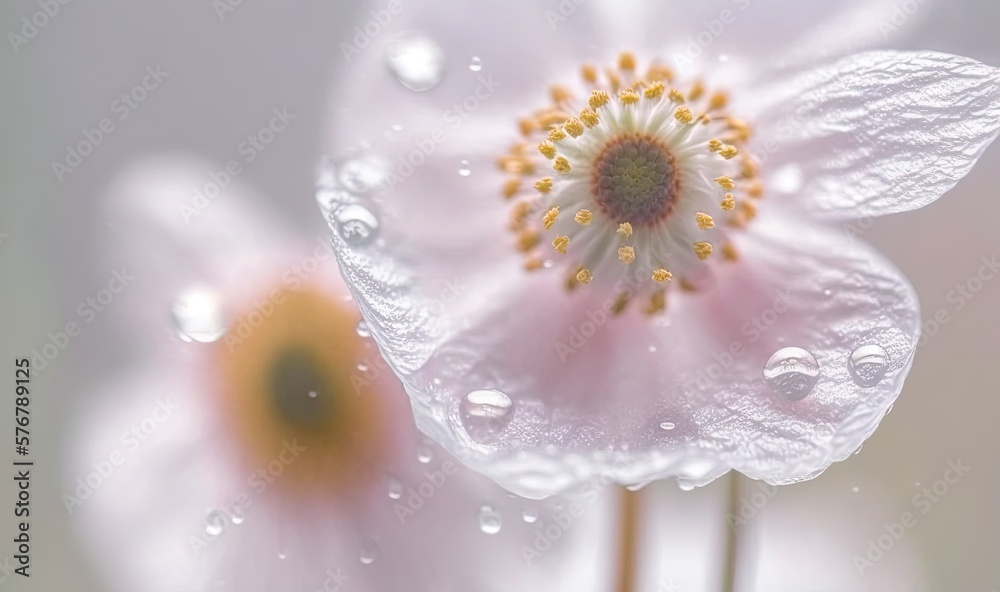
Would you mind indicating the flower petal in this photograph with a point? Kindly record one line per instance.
(590, 393)
(877, 133)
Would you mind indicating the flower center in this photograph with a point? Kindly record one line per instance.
(288, 390)
(649, 182)
(634, 180)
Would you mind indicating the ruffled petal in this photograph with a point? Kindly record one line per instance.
(876, 133)
(572, 392)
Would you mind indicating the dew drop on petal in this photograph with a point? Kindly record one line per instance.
(362, 367)
(476, 64)
(793, 372)
(485, 413)
(464, 170)
(237, 516)
(424, 455)
(356, 224)
(395, 487)
(197, 315)
(417, 62)
(489, 519)
(369, 551)
(214, 522)
(868, 365)
(530, 515)
(685, 485)
(362, 329)
(667, 425)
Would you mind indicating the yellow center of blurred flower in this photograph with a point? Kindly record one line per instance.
(648, 179)
(288, 393)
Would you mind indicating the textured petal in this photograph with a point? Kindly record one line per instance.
(877, 133)
(588, 391)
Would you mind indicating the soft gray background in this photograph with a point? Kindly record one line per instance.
(224, 79)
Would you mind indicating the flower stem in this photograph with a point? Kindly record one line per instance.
(736, 557)
(628, 556)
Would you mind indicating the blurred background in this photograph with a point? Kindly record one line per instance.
(224, 76)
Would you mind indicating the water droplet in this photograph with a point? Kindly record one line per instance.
(214, 522)
(394, 133)
(237, 516)
(485, 413)
(667, 425)
(356, 224)
(313, 394)
(476, 64)
(530, 515)
(363, 175)
(868, 365)
(198, 316)
(465, 171)
(793, 372)
(417, 62)
(685, 485)
(652, 349)
(424, 455)
(282, 555)
(369, 551)
(855, 489)
(363, 330)
(395, 487)
(489, 519)
(362, 367)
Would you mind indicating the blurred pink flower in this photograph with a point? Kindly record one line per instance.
(648, 303)
(262, 444)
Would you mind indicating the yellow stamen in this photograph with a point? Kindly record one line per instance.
(557, 134)
(528, 126)
(657, 302)
(704, 221)
(676, 95)
(625, 229)
(729, 252)
(683, 115)
(755, 189)
(718, 101)
(728, 202)
(703, 250)
(561, 165)
(560, 93)
(658, 72)
(550, 218)
(574, 127)
(729, 152)
(519, 214)
(527, 240)
(628, 97)
(626, 61)
(662, 275)
(655, 90)
(511, 187)
(533, 263)
(749, 169)
(544, 185)
(749, 209)
(598, 99)
(583, 217)
(697, 89)
(626, 255)
(619, 306)
(548, 150)
(589, 118)
(726, 183)
(583, 276)
(714, 145)
(560, 243)
(589, 73)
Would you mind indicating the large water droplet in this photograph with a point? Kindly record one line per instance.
(395, 487)
(793, 372)
(214, 522)
(868, 365)
(476, 64)
(424, 455)
(489, 519)
(198, 316)
(530, 515)
(356, 224)
(417, 62)
(369, 551)
(485, 413)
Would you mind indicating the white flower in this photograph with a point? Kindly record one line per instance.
(674, 288)
(259, 443)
